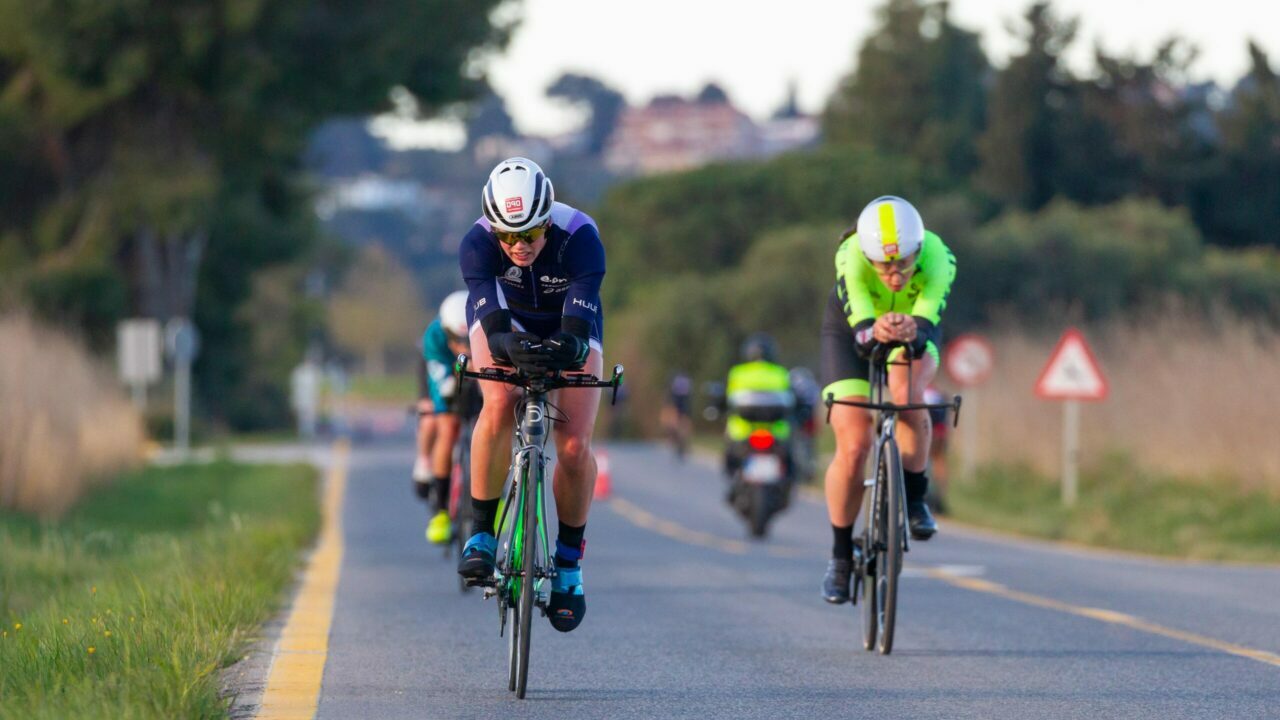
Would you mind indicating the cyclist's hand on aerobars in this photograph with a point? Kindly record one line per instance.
(906, 328)
(885, 330)
(894, 327)
(522, 350)
(565, 351)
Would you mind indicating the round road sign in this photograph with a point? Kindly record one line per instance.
(969, 360)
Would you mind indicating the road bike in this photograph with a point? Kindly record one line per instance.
(524, 564)
(467, 408)
(884, 538)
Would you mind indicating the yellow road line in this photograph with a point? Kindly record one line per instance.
(1104, 615)
(645, 519)
(649, 521)
(293, 685)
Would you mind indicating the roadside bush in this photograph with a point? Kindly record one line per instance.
(63, 422)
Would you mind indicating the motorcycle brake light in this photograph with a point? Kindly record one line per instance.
(760, 440)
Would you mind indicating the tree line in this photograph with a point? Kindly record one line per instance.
(1064, 197)
(150, 161)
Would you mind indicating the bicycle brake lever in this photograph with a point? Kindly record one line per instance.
(955, 417)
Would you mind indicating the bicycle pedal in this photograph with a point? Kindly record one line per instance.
(485, 582)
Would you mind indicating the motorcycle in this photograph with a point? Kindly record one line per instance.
(760, 467)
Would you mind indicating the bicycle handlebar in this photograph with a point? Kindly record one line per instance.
(892, 407)
(540, 383)
(880, 356)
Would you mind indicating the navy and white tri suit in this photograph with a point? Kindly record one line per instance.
(563, 282)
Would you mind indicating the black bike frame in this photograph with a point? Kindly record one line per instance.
(886, 438)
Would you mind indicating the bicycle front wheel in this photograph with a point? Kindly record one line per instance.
(529, 532)
(871, 541)
(513, 645)
(891, 567)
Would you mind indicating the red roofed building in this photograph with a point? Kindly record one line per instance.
(672, 134)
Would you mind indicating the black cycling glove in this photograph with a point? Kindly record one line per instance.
(510, 347)
(565, 351)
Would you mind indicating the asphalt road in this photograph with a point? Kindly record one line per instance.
(687, 618)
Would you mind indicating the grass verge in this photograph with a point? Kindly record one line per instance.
(129, 605)
(1126, 508)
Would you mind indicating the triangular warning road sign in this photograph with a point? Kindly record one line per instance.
(1072, 372)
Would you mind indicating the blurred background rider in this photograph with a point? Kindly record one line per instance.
(438, 420)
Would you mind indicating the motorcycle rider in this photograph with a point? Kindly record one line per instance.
(758, 396)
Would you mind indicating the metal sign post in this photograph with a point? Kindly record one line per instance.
(1070, 452)
(969, 360)
(183, 342)
(1072, 374)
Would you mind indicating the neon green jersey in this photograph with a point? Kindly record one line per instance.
(865, 297)
(761, 379)
(758, 376)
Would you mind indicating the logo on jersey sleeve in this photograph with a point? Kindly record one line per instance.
(515, 205)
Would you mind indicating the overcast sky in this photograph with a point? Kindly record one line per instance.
(754, 49)
(663, 46)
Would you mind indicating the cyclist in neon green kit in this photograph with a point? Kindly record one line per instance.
(892, 282)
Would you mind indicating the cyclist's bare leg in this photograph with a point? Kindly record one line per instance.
(491, 437)
(852, 427)
(575, 473)
(426, 430)
(447, 427)
(914, 429)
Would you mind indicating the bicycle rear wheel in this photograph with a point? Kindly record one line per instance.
(529, 532)
(891, 567)
(461, 501)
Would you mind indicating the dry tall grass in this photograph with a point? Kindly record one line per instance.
(1195, 398)
(63, 421)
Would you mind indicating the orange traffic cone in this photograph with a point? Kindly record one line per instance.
(604, 482)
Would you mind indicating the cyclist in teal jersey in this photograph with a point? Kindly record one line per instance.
(892, 282)
(439, 424)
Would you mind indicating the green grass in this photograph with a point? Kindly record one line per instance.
(129, 606)
(385, 388)
(1126, 508)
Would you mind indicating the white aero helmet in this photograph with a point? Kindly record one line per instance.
(518, 196)
(453, 314)
(889, 228)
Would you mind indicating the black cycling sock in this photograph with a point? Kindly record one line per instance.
(917, 485)
(570, 545)
(442, 492)
(485, 513)
(842, 548)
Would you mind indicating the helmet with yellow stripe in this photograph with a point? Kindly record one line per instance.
(889, 228)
